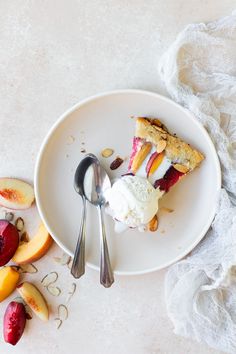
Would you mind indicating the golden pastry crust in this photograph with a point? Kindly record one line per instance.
(176, 150)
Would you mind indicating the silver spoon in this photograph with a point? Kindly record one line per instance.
(96, 182)
(78, 265)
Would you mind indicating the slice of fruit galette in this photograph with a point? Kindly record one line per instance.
(158, 160)
(159, 156)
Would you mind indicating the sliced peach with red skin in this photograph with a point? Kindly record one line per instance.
(154, 162)
(9, 241)
(137, 143)
(14, 322)
(36, 248)
(34, 299)
(15, 193)
(140, 156)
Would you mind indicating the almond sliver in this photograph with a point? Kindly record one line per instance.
(49, 279)
(58, 322)
(53, 290)
(62, 312)
(107, 152)
(161, 146)
(153, 224)
(181, 168)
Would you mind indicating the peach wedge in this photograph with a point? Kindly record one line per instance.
(8, 281)
(34, 299)
(141, 156)
(36, 248)
(15, 194)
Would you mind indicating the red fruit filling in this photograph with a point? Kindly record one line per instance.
(170, 178)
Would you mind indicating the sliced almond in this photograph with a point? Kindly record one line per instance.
(58, 322)
(181, 168)
(157, 122)
(69, 265)
(153, 224)
(168, 210)
(62, 312)
(28, 268)
(25, 268)
(28, 316)
(16, 268)
(161, 146)
(63, 260)
(71, 292)
(140, 156)
(49, 278)
(19, 224)
(53, 290)
(70, 139)
(24, 237)
(107, 152)
(162, 131)
(9, 216)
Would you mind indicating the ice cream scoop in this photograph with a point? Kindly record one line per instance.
(133, 200)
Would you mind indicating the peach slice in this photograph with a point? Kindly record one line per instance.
(140, 156)
(33, 250)
(15, 194)
(34, 299)
(137, 143)
(154, 162)
(8, 281)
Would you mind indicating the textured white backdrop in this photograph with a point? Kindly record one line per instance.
(52, 54)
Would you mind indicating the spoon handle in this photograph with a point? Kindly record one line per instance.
(106, 273)
(78, 266)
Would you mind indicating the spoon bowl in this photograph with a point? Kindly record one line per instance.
(96, 182)
(80, 173)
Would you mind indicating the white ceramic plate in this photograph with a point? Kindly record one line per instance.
(106, 121)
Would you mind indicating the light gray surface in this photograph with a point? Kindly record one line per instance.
(53, 54)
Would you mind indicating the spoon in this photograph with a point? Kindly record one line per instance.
(78, 265)
(96, 182)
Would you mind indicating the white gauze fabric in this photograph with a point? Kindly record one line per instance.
(199, 71)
